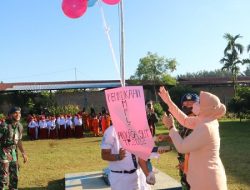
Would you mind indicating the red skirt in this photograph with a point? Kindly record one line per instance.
(62, 132)
(53, 134)
(68, 131)
(32, 133)
(43, 133)
(78, 131)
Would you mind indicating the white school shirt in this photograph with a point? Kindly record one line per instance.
(69, 121)
(110, 141)
(51, 124)
(77, 121)
(62, 121)
(58, 121)
(42, 124)
(32, 124)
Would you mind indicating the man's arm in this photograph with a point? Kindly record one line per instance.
(143, 165)
(108, 156)
(150, 177)
(20, 146)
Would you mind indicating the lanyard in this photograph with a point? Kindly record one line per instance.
(134, 160)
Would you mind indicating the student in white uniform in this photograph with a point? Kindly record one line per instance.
(32, 129)
(124, 166)
(69, 126)
(43, 133)
(51, 124)
(78, 126)
(62, 127)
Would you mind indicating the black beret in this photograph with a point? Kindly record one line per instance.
(14, 109)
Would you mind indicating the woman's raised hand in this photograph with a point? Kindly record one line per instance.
(163, 93)
(168, 120)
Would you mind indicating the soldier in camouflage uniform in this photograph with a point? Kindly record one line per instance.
(10, 139)
(187, 102)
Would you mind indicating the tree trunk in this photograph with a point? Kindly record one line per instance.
(234, 84)
(156, 95)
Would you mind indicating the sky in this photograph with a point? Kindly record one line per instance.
(39, 43)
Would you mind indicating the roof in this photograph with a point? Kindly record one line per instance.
(37, 86)
(62, 85)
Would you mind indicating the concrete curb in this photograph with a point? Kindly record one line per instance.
(94, 181)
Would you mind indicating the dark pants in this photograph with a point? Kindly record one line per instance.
(8, 175)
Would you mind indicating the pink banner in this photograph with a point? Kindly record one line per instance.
(127, 109)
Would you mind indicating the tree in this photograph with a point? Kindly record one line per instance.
(248, 60)
(167, 79)
(248, 50)
(247, 71)
(206, 74)
(154, 68)
(231, 58)
(240, 104)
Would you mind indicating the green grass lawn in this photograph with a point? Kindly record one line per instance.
(50, 160)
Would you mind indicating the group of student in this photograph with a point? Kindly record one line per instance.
(67, 125)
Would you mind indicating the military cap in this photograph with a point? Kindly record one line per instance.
(14, 109)
(190, 97)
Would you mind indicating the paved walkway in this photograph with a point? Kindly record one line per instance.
(94, 181)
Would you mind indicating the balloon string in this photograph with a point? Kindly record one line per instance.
(107, 30)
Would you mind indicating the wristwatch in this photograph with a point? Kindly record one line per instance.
(117, 157)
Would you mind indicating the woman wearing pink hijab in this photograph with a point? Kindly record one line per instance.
(205, 169)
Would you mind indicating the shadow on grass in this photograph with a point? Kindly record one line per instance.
(57, 184)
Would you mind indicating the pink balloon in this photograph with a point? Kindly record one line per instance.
(111, 2)
(74, 8)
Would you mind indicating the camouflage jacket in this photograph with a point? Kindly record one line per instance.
(10, 134)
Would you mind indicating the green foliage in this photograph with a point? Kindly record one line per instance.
(153, 67)
(30, 104)
(176, 94)
(178, 91)
(17, 98)
(240, 104)
(232, 59)
(167, 79)
(158, 109)
(68, 109)
(233, 47)
(235, 105)
(247, 71)
(206, 74)
(2, 116)
(69, 91)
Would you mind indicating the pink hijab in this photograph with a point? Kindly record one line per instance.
(210, 106)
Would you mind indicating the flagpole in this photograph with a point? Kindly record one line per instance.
(122, 45)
